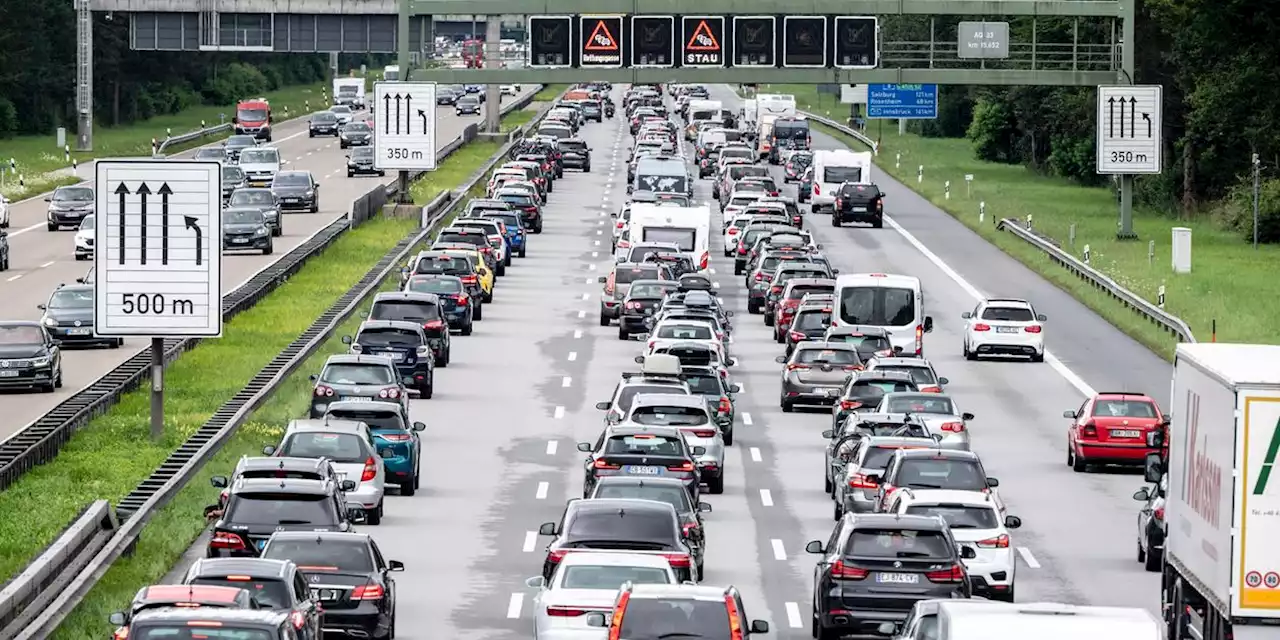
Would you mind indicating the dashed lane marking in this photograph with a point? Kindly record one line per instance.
(577, 334)
(793, 615)
(1028, 558)
(566, 382)
(778, 552)
(746, 419)
(755, 455)
(558, 413)
(552, 447)
(766, 497)
(47, 265)
(530, 541)
(573, 355)
(513, 607)
(543, 488)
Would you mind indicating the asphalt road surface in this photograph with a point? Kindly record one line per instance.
(44, 259)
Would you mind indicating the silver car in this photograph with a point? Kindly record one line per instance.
(350, 447)
(920, 370)
(815, 373)
(936, 411)
(854, 492)
(689, 414)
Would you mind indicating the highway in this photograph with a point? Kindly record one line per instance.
(500, 454)
(44, 259)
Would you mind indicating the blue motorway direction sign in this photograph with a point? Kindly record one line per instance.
(902, 101)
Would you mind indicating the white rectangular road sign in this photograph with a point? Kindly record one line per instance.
(404, 126)
(158, 248)
(1130, 129)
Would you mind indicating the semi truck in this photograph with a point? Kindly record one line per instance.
(1220, 577)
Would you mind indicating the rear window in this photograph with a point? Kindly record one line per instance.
(683, 238)
(340, 373)
(685, 332)
(924, 403)
(658, 416)
(959, 516)
(432, 285)
(610, 577)
(744, 199)
(883, 386)
(878, 457)
(476, 238)
(642, 445)
(836, 175)
(172, 631)
(677, 497)
(1008, 314)
(389, 337)
(684, 618)
(1124, 409)
(270, 594)
(347, 556)
(338, 447)
(375, 419)
(898, 543)
(799, 291)
(940, 473)
(808, 320)
(649, 290)
(573, 145)
(518, 199)
(708, 385)
(281, 508)
(632, 525)
(738, 171)
(443, 264)
(839, 357)
(631, 274)
(921, 375)
(406, 311)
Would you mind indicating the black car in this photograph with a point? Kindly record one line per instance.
(624, 450)
(323, 123)
(68, 317)
(360, 163)
(810, 323)
(297, 190)
(876, 567)
(641, 302)
(216, 623)
(442, 263)
(4, 250)
(858, 203)
(235, 144)
(863, 390)
(447, 96)
(577, 154)
(276, 585)
(259, 199)
(637, 526)
(233, 178)
(29, 357)
(245, 229)
(348, 376)
(356, 134)
(456, 304)
(258, 507)
(405, 344)
(427, 310)
(348, 575)
(530, 212)
(668, 490)
(68, 206)
(168, 596)
(467, 105)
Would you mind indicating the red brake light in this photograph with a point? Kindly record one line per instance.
(999, 542)
(620, 224)
(686, 467)
(567, 612)
(703, 433)
(299, 621)
(1090, 431)
(468, 279)
(759, 276)
(677, 560)
(859, 481)
(368, 592)
(323, 392)
(849, 405)
(1159, 513)
(604, 464)
(735, 619)
(225, 540)
(817, 189)
(395, 437)
(461, 299)
(370, 469)
(954, 574)
(556, 556)
(953, 427)
(615, 623)
(725, 405)
(981, 327)
(1035, 328)
(796, 336)
(433, 324)
(733, 231)
(840, 571)
(794, 366)
(930, 389)
(776, 289)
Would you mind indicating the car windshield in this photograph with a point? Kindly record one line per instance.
(434, 285)
(811, 320)
(744, 199)
(242, 216)
(920, 375)
(1124, 409)
(73, 299)
(840, 357)
(940, 473)
(610, 577)
(659, 416)
(338, 447)
(324, 117)
(21, 334)
(311, 555)
(383, 420)
(958, 516)
(282, 508)
(291, 180)
(232, 174)
(352, 373)
(388, 336)
(877, 306)
(252, 114)
(898, 543)
(269, 593)
(704, 385)
(252, 198)
(922, 403)
(358, 127)
(73, 194)
(673, 618)
(643, 445)
(685, 332)
(259, 156)
(415, 311)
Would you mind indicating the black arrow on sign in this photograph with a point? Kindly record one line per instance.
(144, 191)
(192, 225)
(408, 112)
(122, 190)
(386, 109)
(1147, 117)
(423, 114)
(1122, 117)
(1111, 117)
(398, 114)
(164, 192)
(1133, 116)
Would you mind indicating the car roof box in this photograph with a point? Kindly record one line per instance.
(661, 364)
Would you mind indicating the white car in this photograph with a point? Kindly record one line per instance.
(588, 581)
(348, 445)
(738, 201)
(491, 231)
(976, 522)
(344, 113)
(84, 238)
(1004, 326)
(667, 332)
(510, 89)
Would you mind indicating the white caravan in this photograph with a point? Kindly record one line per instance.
(832, 168)
(687, 227)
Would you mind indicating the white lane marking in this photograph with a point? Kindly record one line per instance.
(543, 488)
(793, 615)
(12, 278)
(530, 541)
(559, 413)
(1028, 558)
(582, 314)
(573, 355)
(766, 497)
(591, 267)
(587, 281)
(755, 455)
(566, 381)
(552, 447)
(577, 334)
(1067, 374)
(599, 232)
(715, 285)
(597, 243)
(595, 254)
(513, 607)
(746, 418)
(47, 265)
(778, 552)
(712, 270)
(587, 296)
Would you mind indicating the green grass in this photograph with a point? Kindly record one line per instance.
(43, 165)
(519, 118)
(1227, 274)
(550, 92)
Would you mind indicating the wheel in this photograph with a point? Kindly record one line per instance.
(837, 512)
(270, 248)
(277, 232)
(443, 359)
(828, 485)
(115, 344)
(502, 269)
(57, 380)
(349, 174)
(315, 207)
(604, 320)
(1039, 357)
(479, 314)
(1006, 596)
(311, 134)
(716, 485)
(835, 220)
(487, 297)
(51, 226)
(778, 337)
(374, 516)
(1153, 560)
(728, 436)
(1142, 553)
(1078, 464)
(768, 319)
(754, 308)
(466, 329)
(969, 355)
(623, 334)
(878, 223)
(787, 407)
(409, 487)
(586, 169)
(522, 251)
(427, 390)
(507, 260)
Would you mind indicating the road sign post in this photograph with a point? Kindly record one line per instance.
(902, 101)
(404, 126)
(158, 256)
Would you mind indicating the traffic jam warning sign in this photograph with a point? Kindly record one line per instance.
(702, 38)
(601, 41)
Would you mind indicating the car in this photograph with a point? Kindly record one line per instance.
(920, 370)
(784, 309)
(323, 123)
(276, 585)
(68, 317)
(588, 582)
(815, 374)
(472, 273)
(639, 304)
(1004, 326)
(431, 311)
(398, 442)
(245, 229)
(280, 467)
(467, 105)
(30, 358)
(852, 457)
(405, 344)
(4, 250)
(344, 114)
(360, 163)
(717, 392)
(1151, 524)
(509, 89)
(935, 411)
(933, 469)
(296, 190)
(349, 376)
(355, 134)
(616, 285)
(260, 165)
(689, 414)
(641, 450)
(1112, 428)
(679, 611)
(634, 526)
(526, 204)
(858, 203)
(913, 558)
(350, 447)
(257, 507)
(456, 304)
(68, 206)
(229, 623)
(480, 206)
(84, 238)
(233, 178)
(168, 596)
(810, 323)
(471, 239)
(350, 577)
(513, 227)
(259, 199)
(577, 154)
(214, 154)
(233, 145)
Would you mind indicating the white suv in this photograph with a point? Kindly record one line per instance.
(1004, 326)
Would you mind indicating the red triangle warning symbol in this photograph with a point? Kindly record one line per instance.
(703, 39)
(601, 39)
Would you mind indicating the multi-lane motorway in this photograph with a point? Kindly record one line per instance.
(499, 456)
(43, 259)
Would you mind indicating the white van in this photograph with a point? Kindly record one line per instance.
(834, 168)
(687, 227)
(892, 302)
(987, 620)
(391, 73)
(778, 105)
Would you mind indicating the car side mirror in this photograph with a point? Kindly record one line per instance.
(829, 434)
(614, 214)
(698, 451)
(1142, 495)
(967, 553)
(313, 377)
(117, 619)
(735, 388)
(346, 339)
(1012, 522)
(356, 515)
(966, 315)
(419, 426)
(219, 482)
(584, 447)
(887, 628)
(395, 565)
(1042, 318)
(993, 482)
(602, 279)
(547, 529)
(211, 509)
(536, 582)
(835, 272)
(943, 381)
(1155, 439)
(727, 314)
(759, 626)
(596, 620)
(897, 350)
(780, 359)
(1164, 422)
(814, 547)
(639, 360)
(966, 416)
(729, 362)
(41, 307)
(48, 199)
(235, 120)
(1152, 468)
(78, 280)
(268, 450)
(704, 507)
(603, 406)
(928, 324)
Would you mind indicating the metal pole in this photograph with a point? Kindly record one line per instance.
(84, 75)
(157, 389)
(402, 59)
(1256, 171)
(1126, 70)
(493, 60)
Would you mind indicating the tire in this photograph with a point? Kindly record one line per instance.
(1007, 596)
(51, 226)
(277, 232)
(269, 250)
(502, 269)
(604, 320)
(878, 223)
(115, 344)
(837, 512)
(787, 407)
(623, 334)
(835, 220)
(467, 328)
(1153, 560)
(442, 361)
(1039, 357)
(716, 485)
(349, 174)
(737, 271)
(429, 389)
(1142, 554)
(409, 488)
(374, 516)
(828, 485)
(768, 319)
(479, 314)
(586, 169)
(315, 207)
(487, 297)
(522, 251)
(754, 308)
(1078, 464)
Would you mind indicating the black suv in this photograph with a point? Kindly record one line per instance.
(360, 162)
(258, 507)
(405, 344)
(577, 154)
(29, 357)
(668, 490)
(858, 203)
(277, 585)
(429, 310)
(641, 450)
(637, 526)
(875, 567)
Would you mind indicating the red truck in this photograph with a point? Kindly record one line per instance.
(473, 54)
(253, 117)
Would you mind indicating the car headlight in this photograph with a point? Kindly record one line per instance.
(262, 231)
(42, 361)
(271, 214)
(49, 322)
(311, 194)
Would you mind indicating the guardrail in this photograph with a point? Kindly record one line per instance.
(59, 597)
(845, 129)
(190, 136)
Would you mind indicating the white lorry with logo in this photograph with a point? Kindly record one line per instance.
(1221, 574)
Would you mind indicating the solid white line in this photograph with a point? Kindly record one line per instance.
(746, 418)
(559, 413)
(766, 497)
(12, 278)
(543, 488)
(566, 381)
(577, 334)
(755, 455)
(513, 608)
(778, 552)
(552, 447)
(1028, 558)
(793, 615)
(530, 541)
(47, 265)
(573, 355)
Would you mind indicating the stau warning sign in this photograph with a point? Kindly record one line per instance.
(601, 41)
(701, 45)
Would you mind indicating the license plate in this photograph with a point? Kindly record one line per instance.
(829, 392)
(860, 209)
(325, 595)
(357, 399)
(1126, 433)
(641, 470)
(8, 373)
(291, 200)
(1006, 329)
(648, 312)
(79, 332)
(387, 453)
(898, 578)
(239, 240)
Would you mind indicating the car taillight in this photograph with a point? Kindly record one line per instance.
(703, 433)
(633, 305)
(733, 231)
(689, 528)
(620, 225)
(817, 189)
(323, 392)
(1035, 328)
(775, 289)
(859, 481)
(370, 469)
(840, 571)
(462, 299)
(742, 250)
(433, 324)
(947, 576)
(604, 464)
(650, 345)
(615, 622)
(839, 202)
(953, 427)
(557, 555)
(368, 592)
(1090, 431)
(468, 279)
(567, 612)
(999, 542)
(796, 367)
(725, 405)
(919, 339)
(392, 393)
(299, 621)
(981, 327)
(395, 437)
(677, 560)
(735, 618)
(759, 276)
(796, 336)
(930, 389)
(849, 405)
(1159, 513)
(706, 260)
(773, 194)
(121, 634)
(225, 540)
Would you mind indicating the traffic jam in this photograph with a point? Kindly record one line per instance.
(917, 521)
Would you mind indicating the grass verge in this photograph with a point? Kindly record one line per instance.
(172, 530)
(550, 92)
(44, 166)
(1227, 275)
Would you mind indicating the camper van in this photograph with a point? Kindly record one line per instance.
(391, 73)
(832, 168)
(774, 104)
(687, 227)
(894, 303)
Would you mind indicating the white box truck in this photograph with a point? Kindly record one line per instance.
(1221, 574)
(349, 92)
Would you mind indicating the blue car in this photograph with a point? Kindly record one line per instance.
(399, 446)
(517, 235)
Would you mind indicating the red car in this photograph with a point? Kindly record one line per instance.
(1111, 429)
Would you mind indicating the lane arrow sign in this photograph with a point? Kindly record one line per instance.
(122, 190)
(386, 110)
(1111, 117)
(408, 113)
(194, 225)
(1122, 117)
(398, 98)
(164, 192)
(1147, 118)
(1133, 116)
(423, 114)
(144, 191)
